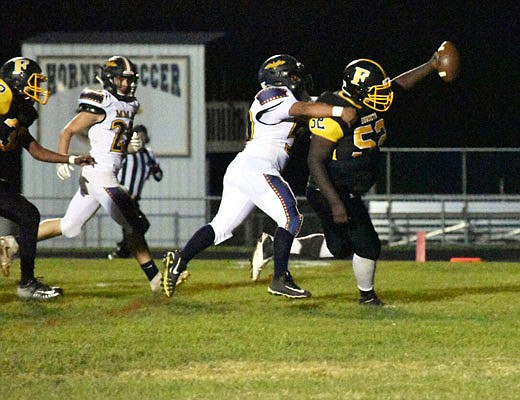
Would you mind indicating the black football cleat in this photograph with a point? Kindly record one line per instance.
(285, 286)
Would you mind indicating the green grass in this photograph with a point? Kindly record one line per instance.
(451, 331)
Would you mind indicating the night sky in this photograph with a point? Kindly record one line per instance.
(479, 109)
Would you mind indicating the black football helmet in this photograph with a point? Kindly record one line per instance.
(117, 67)
(285, 70)
(24, 76)
(365, 82)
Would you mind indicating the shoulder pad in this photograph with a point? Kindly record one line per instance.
(332, 98)
(327, 128)
(6, 97)
(90, 108)
(91, 101)
(91, 95)
(271, 93)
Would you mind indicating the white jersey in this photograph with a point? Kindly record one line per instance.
(98, 184)
(108, 137)
(254, 178)
(272, 128)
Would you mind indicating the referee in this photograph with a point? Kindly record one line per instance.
(135, 171)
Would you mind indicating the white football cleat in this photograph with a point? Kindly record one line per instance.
(8, 249)
(262, 254)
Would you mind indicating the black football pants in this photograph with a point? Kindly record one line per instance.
(358, 236)
(15, 207)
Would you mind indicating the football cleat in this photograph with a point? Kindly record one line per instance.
(183, 277)
(8, 249)
(285, 286)
(156, 282)
(36, 290)
(262, 254)
(370, 300)
(174, 266)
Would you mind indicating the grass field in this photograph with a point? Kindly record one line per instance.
(451, 331)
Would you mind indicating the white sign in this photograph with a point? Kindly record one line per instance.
(163, 91)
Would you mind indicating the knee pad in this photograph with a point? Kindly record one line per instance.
(221, 234)
(139, 223)
(69, 229)
(370, 250)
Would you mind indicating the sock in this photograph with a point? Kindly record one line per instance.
(364, 271)
(200, 240)
(281, 248)
(150, 269)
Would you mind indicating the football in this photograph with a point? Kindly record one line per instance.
(449, 61)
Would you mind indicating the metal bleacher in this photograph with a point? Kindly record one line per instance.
(447, 219)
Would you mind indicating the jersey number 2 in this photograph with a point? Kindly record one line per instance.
(120, 127)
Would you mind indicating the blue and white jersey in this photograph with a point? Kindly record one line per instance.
(271, 128)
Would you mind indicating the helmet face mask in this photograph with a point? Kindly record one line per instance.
(285, 70)
(119, 76)
(25, 77)
(366, 84)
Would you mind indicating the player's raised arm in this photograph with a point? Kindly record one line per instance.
(445, 61)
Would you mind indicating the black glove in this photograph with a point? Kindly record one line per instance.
(156, 172)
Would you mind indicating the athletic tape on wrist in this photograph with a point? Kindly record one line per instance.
(337, 111)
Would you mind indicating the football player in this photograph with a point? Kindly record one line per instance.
(107, 115)
(21, 85)
(254, 178)
(343, 163)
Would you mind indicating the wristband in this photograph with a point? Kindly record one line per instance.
(337, 111)
(72, 159)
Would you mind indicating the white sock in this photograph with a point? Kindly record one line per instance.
(364, 271)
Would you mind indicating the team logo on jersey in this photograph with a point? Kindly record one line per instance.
(360, 76)
(275, 64)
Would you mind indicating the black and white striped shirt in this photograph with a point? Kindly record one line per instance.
(135, 171)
